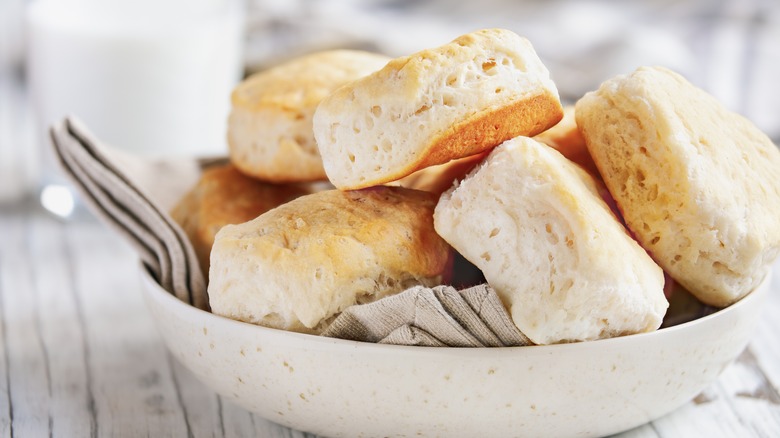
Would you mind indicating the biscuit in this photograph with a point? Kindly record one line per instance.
(270, 124)
(223, 196)
(439, 178)
(564, 266)
(436, 105)
(298, 266)
(697, 184)
(566, 138)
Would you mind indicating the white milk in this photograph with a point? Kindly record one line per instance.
(151, 77)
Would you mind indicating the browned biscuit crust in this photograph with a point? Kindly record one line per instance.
(225, 196)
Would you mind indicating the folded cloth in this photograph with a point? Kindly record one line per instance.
(439, 316)
(134, 196)
(118, 187)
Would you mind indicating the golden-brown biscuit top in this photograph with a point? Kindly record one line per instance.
(303, 82)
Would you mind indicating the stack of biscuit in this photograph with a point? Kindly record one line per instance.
(576, 218)
(273, 157)
(291, 254)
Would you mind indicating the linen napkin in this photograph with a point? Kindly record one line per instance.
(134, 196)
(117, 188)
(434, 317)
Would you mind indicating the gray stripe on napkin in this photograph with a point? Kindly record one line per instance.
(112, 184)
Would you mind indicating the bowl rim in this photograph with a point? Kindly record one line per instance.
(169, 300)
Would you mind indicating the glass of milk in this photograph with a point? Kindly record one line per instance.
(147, 76)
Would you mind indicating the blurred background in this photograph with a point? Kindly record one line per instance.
(154, 76)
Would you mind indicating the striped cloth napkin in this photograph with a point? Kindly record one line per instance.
(432, 317)
(131, 195)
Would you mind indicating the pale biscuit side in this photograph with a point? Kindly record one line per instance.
(270, 125)
(697, 184)
(564, 266)
(272, 145)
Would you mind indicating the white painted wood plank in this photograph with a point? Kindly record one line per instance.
(28, 371)
(725, 409)
(198, 402)
(644, 431)
(752, 398)
(709, 415)
(267, 428)
(5, 378)
(133, 390)
(766, 346)
(212, 416)
(237, 421)
(62, 334)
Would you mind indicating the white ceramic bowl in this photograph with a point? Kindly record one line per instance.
(340, 388)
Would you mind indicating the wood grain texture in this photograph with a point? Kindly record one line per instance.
(60, 323)
(129, 380)
(80, 355)
(766, 346)
(6, 409)
(28, 377)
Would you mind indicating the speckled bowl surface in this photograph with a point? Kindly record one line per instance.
(339, 388)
